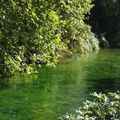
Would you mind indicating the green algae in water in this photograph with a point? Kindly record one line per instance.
(54, 91)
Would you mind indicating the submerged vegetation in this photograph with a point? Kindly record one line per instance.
(36, 32)
(104, 107)
(39, 32)
(51, 92)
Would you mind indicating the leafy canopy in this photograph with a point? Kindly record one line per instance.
(35, 32)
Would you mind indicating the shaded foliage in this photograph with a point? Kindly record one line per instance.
(105, 18)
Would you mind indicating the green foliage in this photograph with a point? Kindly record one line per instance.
(79, 37)
(33, 32)
(75, 33)
(104, 107)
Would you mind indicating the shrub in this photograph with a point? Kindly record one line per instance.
(79, 37)
(104, 107)
(34, 32)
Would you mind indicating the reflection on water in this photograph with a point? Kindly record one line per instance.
(54, 91)
(4, 83)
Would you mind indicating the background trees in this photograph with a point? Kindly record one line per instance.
(105, 18)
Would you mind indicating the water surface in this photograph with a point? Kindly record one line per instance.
(54, 91)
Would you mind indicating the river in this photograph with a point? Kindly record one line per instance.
(52, 92)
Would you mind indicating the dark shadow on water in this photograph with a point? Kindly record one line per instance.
(105, 84)
(4, 84)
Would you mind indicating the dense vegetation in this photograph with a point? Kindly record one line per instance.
(39, 32)
(35, 32)
(105, 19)
(104, 107)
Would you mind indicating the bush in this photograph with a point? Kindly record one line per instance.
(28, 35)
(34, 32)
(79, 37)
(104, 107)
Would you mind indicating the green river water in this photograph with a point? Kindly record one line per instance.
(54, 91)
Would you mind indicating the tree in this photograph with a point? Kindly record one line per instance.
(105, 18)
(34, 32)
